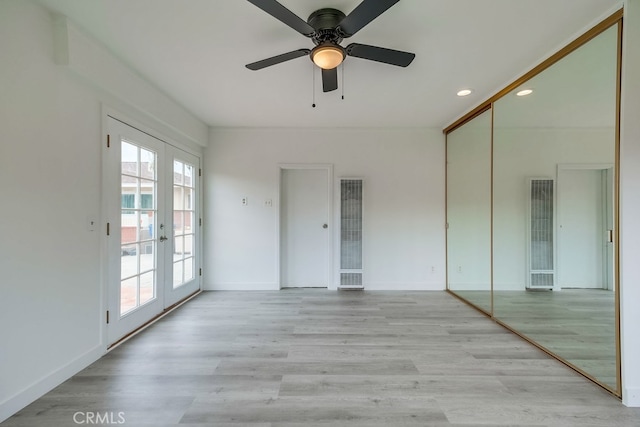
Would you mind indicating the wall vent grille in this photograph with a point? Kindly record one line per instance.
(351, 233)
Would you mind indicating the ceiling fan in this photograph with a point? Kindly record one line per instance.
(327, 28)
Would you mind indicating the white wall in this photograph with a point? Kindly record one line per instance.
(51, 290)
(523, 153)
(630, 205)
(403, 202)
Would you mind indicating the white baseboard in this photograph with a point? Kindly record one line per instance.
(466, 286)
(631, 397)
(36, 390)
(258, 286)
(371, 286)
(416, 286)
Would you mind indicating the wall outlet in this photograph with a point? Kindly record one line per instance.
(245, 201)
(268, 203)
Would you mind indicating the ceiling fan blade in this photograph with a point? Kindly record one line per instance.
(329, 79)
(277, 59)
(284, 15)
(380, 54)
(364, 13)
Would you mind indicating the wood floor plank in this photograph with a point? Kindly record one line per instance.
(391, 386)
(335, 409)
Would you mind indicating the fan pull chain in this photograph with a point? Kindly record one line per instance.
(313, 89)
(342, 69)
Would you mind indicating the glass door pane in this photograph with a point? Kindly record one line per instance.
(138, 189)
(183, 223)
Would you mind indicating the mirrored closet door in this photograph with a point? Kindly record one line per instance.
(532, 205)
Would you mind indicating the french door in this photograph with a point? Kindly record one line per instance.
(153, 236)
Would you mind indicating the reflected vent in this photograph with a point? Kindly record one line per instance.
(351, 233)
(541, 280)
(541, 236)
(351, 280)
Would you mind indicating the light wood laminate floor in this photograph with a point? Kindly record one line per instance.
(310, 357)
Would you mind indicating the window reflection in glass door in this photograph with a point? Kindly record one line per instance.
(138, 262)
(183, 223)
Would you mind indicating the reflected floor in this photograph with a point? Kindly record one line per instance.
(576, 324)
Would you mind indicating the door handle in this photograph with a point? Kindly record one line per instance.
(163, 238)
(325, 226)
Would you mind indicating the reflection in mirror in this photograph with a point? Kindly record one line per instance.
(554, 158)
(469, 211)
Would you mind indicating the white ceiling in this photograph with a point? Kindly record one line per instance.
(195, 51)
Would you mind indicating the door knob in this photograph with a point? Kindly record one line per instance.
(325, 226)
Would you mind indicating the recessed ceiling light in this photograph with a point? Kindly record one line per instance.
(464, 92)
(524, 92)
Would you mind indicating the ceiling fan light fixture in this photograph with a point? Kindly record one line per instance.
(327, 56)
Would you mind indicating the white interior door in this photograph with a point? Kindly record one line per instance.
(582, 234)
(153, 240)
(304, 241)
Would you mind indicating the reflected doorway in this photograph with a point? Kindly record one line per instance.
(585, 227)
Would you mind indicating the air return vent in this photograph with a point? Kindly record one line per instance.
(541, 274)
(351, 234)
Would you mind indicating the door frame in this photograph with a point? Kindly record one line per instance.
(150, 126)
(604, 168)
(281, 167)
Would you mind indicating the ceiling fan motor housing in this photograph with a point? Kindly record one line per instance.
(325, 22)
